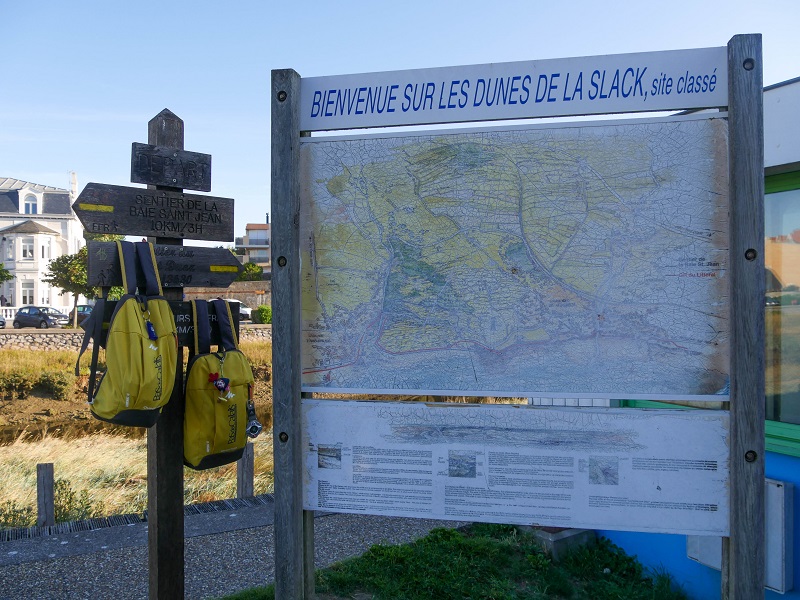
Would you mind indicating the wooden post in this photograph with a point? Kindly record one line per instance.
(289, 516)
(244, 473)
(165, 438)
(744, 552)
(45, 496)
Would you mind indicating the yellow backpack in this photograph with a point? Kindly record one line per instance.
(141, 346)
(219, 413)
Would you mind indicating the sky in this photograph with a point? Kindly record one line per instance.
(81, 79)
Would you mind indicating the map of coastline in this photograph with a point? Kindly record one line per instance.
(579, 259)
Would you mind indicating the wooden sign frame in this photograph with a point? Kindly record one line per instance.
(743, 551)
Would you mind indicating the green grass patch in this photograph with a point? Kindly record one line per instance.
(484, 561)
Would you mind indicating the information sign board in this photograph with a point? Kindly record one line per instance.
(661, 471)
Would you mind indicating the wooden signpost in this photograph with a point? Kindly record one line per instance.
(168, 216)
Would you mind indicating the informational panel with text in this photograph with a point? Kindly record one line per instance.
(566, 259)
(578, 260)
(636, 470)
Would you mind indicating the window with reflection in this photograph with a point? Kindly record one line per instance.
(782, 304)
(27, 248)
(31, 205)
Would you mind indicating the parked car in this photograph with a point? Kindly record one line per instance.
(245, 314)
(84, 310)
(59, 316)
(2, 322)
(39, 316)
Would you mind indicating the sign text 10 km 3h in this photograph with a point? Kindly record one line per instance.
(117, 209)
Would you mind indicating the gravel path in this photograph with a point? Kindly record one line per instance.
(224, 553)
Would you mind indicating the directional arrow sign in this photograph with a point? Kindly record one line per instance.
(122, 210)
(178, 266)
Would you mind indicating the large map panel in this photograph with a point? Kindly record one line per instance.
(586, 260)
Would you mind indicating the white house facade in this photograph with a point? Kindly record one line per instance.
(36, 225)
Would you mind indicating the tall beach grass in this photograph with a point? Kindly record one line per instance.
(110, 467)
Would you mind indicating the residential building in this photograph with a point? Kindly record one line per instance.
(36, 225)
(255, 245)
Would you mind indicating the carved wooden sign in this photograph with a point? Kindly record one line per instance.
(159, 165)
(123, 210)
(178, 266)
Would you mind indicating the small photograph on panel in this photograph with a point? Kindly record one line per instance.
(329, 457)
(462, 463)
(603, 470)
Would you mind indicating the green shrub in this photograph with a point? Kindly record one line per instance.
(17, 385)
(12, 515)
(58, 383)
(70, 506)
(263, 314)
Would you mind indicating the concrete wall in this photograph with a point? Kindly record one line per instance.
(251, 293)
(70, 339)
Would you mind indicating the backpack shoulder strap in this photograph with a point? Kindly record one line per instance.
(127, 265)
(94, 331)
(147, 261)
(227, 335)
(202, 332)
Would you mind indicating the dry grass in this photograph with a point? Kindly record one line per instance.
(113, 469)
(27, 361)
(258, 352)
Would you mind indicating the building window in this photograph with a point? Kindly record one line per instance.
(258, 238)
(27, 292)
(10, 249)
(782, 302)
(31, 205)
(46, 249)
(259, 255)
(27, 248)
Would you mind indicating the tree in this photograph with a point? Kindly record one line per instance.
(251, 272)
(69, 273)
(5, 274)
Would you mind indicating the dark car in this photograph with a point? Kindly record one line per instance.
(84, 310)
(2, 322)
(39, 316)
(59, 316)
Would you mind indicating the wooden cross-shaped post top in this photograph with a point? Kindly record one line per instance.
(163, 211)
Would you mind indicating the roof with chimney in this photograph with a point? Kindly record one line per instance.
(9, 183)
